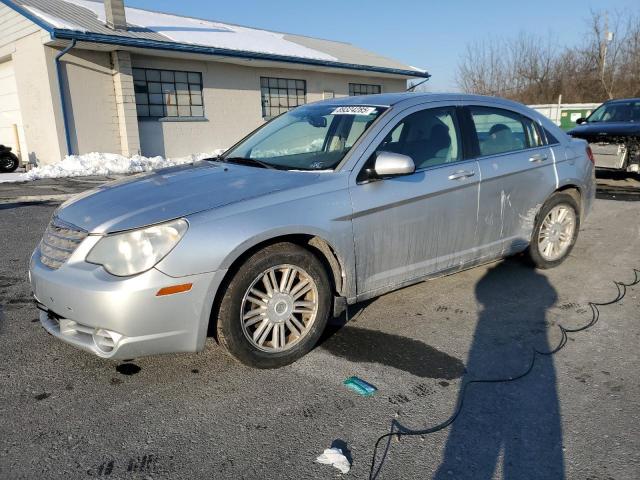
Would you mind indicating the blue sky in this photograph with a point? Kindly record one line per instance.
(427, 33)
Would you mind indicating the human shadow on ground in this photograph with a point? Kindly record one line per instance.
(511, 430)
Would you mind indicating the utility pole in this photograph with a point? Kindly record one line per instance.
(604, 46)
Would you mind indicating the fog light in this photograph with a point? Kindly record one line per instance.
(105, 340)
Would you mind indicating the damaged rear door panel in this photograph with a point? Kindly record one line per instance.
(518, 175)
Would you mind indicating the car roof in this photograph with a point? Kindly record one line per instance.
(623, 100)
(392, 99)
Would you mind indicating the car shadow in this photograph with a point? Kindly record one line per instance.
(514, 428)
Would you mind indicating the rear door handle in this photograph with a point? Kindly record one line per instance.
(538, 157)
(461, 174)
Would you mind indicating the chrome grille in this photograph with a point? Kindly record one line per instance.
(60, 240)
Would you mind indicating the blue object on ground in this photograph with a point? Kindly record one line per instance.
(360, 386)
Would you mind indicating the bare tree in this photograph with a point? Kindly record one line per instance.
(533, 69)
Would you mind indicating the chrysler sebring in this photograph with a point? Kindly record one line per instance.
(329, 204)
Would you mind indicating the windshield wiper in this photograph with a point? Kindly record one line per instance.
(249, 161)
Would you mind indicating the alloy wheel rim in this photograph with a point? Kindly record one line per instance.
(279, 308)
(9, 162)
(556, 232)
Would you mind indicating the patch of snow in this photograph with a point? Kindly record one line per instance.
(208, 33)
(54, 21)
(108, 164)
(10, 177)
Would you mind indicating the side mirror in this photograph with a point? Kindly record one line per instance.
(581, 120)
(390, 164)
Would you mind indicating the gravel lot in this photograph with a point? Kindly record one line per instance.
(66, 414)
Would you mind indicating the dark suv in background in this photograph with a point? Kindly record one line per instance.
(613, 132)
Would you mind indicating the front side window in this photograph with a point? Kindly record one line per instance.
(279, 95)
(499, 130)
(430, 137)
(363, 89)
(311, 137)
(168, 93)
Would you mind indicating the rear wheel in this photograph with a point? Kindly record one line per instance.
(8, 162)
(275, 307)
(555, 231)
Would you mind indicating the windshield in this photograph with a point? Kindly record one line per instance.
(616, 112)
(311, 137)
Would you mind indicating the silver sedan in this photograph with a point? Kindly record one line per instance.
(329, 204)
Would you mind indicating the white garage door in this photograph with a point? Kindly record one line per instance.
(9, 108)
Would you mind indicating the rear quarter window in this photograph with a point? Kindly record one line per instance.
(551, 138)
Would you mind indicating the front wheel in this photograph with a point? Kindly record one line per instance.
(8, 162)
(555, 231)
(275, 308)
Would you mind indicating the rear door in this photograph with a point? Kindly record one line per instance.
(518, 175)
(410, 226)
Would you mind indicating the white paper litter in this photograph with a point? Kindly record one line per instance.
(208, 33)
(335, 457)
(108, 164)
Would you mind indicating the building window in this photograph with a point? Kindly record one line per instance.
(168, 93)
(281, 94)
(363, 89)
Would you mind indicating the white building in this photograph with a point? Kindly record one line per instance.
(78, 76)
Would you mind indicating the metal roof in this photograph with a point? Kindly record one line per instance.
(83, 20)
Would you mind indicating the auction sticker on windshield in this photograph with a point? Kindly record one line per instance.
(353, 110)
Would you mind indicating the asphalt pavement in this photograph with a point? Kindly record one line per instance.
(67, 414)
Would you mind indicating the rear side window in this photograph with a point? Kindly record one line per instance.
(501, 131)
(430, 137)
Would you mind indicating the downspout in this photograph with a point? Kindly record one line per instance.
(67, 134)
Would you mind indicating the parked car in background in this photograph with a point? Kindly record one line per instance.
(329, 204)
(613, 132)
(9, 162)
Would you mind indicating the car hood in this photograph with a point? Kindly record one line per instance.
(172, 193)
(598, 129)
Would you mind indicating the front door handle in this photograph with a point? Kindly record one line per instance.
(538, 157)
(461, 174)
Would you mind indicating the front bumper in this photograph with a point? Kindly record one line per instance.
(120, 318)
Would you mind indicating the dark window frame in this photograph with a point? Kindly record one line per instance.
(158, 85)
(363, 89)
(271, 89)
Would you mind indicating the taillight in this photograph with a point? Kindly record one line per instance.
(590, 155)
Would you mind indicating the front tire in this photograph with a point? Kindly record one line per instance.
(555, 231)
(275, 308)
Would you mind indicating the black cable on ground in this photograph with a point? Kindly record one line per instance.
(403, 431)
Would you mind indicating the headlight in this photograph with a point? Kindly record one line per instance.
(137, 251)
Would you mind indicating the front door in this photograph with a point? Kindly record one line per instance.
(411, 226)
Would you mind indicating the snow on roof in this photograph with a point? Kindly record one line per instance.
(54, 21)
(88, 17)
(208, 33)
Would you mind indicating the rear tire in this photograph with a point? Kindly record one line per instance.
(555, 231)
(8, 163)
(275, 307)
